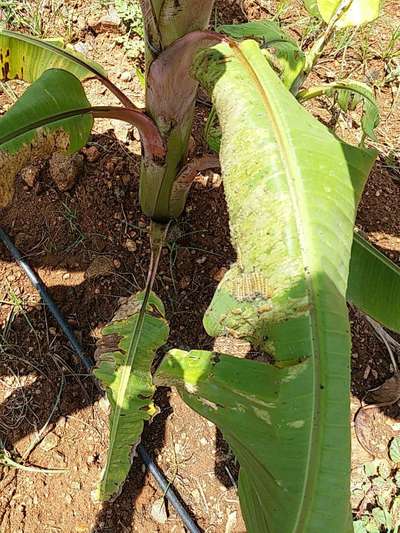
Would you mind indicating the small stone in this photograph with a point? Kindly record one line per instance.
(50, 442)
(231, 522)
(64, 170)
(201, 260)
(91, 153)
(82, 48)
(104, 404)
(76, 485)
(67, 275)
(203, 441)
(130, 245)
(30, 175)
(68, 498)
(107, 23)
(126, 76)
(158, 511)
(215, 180)
(117, 263)
(62, 422)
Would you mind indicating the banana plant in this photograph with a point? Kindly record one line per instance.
(292, 189)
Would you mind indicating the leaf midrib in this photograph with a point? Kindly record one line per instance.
(293, 175)
(126, 373)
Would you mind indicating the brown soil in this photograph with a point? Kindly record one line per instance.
(90, 247)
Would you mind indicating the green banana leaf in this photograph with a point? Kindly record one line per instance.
(288, 185)
(289, 57)
(374, 284)
(359, 12)
(26, 58)
(348, 94)
(125, 354)
(29, 132)
(244, 399)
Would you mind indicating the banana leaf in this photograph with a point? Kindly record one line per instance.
(125, 355)
(289, 57)
(26, 58)
(28, 133)
(348, 94)
(243, 398)
(359, 11)
(374, 283)
(291, 200)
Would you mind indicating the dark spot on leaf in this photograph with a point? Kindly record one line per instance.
(216, 358)
(8, 52)
(144, 397)
(5, 69)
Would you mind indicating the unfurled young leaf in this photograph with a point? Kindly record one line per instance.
(290, 59)
(348, 94)
(125, 355)
(359, 11)
(29, 133)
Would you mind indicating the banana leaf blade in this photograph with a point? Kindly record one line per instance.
(23, 142)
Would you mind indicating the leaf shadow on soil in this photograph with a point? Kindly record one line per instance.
(62, 235)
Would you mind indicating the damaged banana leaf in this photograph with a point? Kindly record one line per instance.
(23, 57)
(292, 208)
(26, 58)
(125, 355)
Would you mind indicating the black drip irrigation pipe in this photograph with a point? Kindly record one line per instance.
(162, 481)
(38, 284)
